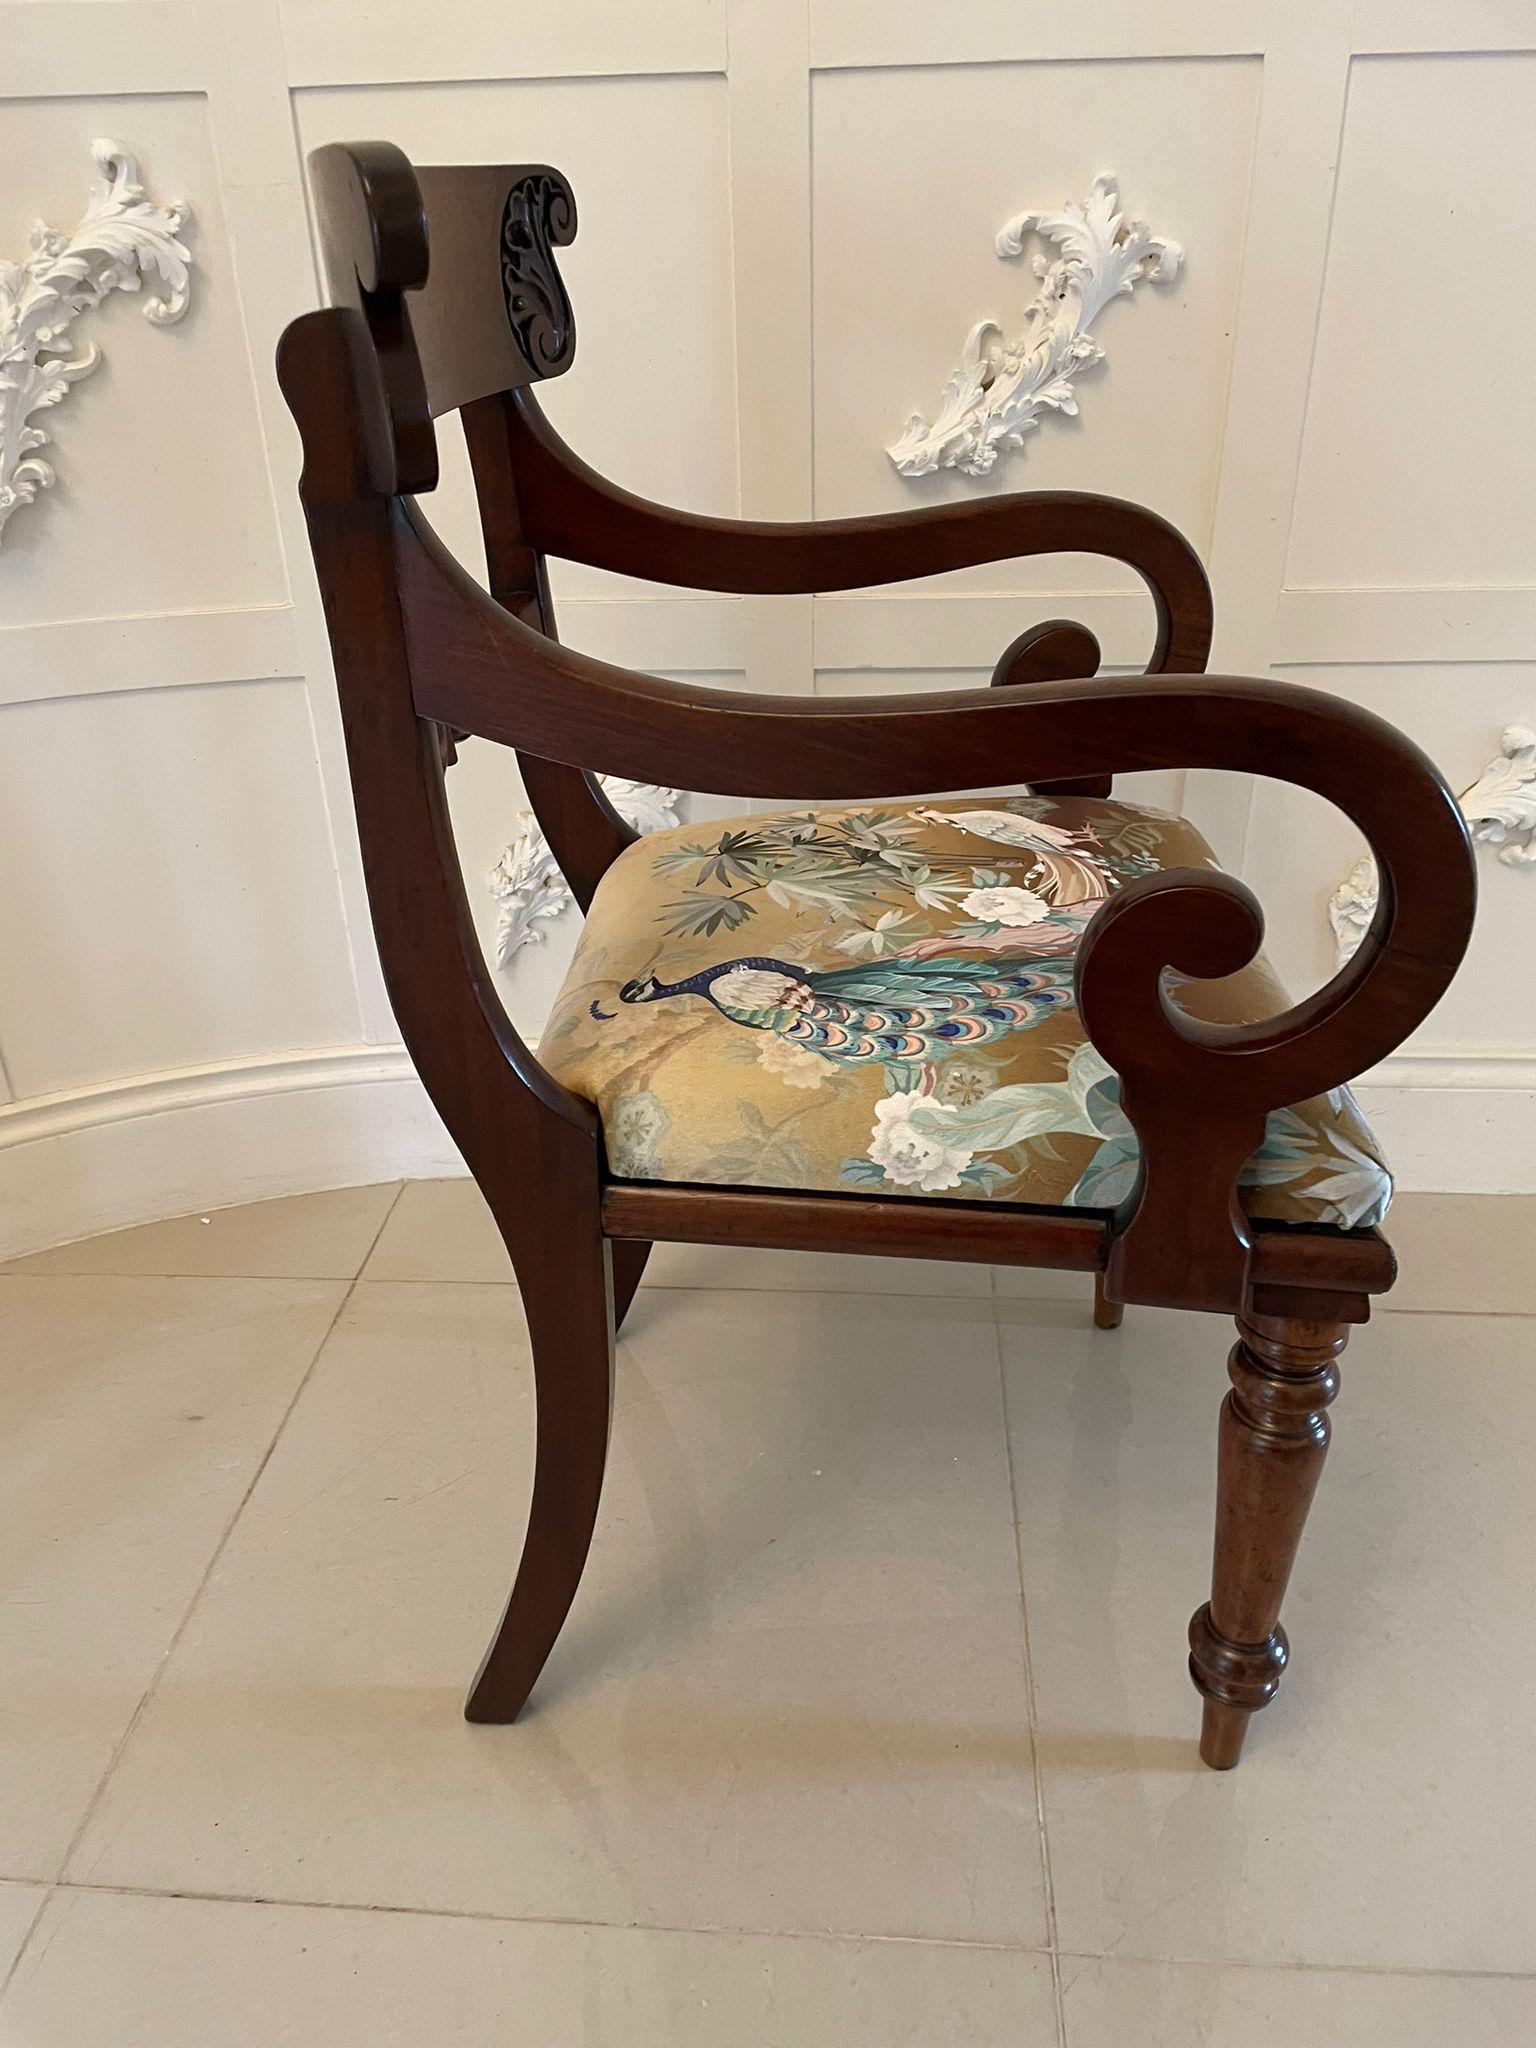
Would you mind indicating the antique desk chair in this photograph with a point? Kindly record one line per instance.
(1033, 1030)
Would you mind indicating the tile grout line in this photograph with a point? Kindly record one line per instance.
(373, 1242)
(1047, 1881)
(26, 1940)
(940, 1941)
(487, 1916)
(1088, 1955)
(212, 1565)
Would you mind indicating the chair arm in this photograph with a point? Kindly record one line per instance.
(569, 510)
(1197, 1093)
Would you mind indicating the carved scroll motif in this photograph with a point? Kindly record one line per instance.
(540, 215)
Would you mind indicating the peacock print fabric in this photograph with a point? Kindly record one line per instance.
(880, 998)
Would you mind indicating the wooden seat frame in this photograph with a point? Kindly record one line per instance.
(425, 657)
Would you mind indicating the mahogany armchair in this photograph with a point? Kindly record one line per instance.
(1050, 1004)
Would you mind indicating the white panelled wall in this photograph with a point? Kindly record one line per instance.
(787, 215)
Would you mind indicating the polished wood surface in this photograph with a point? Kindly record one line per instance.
(905, 1226)
(1272, 1441)
(1054, 652)
(446, 295)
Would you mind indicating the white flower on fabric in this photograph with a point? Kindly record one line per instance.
(907, 1158)
(632, 1130)
(1006, 906)
(796, 1065)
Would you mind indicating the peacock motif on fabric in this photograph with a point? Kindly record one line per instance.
(890, 1013)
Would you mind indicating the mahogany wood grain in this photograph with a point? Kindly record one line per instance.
(629, 1257)
(564, 1270)
(1054, 652)
(424, 656)
(905, 1227)
(1284, 1259)
(516, 1127)
(1107, 1314)
(1272, 1441)
(585, 832)
(570, 510)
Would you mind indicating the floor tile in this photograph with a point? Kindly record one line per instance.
(790, 1696)
(136, 1413)
(1384, 1812)
(442, 1230)
(300, 1237)
(1031, 1283)
(1170, 2005)
(18, 1909)
(119, 1972)
(439, 1230)
(1464, 1252)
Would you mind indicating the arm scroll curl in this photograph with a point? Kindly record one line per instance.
(1199, 1094)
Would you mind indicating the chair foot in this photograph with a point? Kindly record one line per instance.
(1237, 1679)
(1222, 1730)
(566, 1297)
(1272, 1443)
(1107, 1314)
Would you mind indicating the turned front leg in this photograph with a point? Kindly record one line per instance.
(1274, 1437)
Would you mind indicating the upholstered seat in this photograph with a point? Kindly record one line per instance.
(879, 997)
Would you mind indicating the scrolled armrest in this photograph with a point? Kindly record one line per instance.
(1198, 1094)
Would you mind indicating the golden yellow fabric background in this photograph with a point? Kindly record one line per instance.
(688, 1094)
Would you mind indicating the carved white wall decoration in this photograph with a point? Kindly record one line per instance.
(122, 237)
(528, 886)
(1352, 906)
(1501, 805)
(1000, 389)
(1500, 808)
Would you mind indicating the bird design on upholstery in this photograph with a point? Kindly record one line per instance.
(1075, 877)
(887, 1013)
(1010, 828)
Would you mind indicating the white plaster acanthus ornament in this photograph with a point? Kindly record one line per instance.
(528, 886)
(122, 237)
(1001, 388)
(1500, 810)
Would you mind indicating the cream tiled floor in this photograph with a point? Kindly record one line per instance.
(870, 1726)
